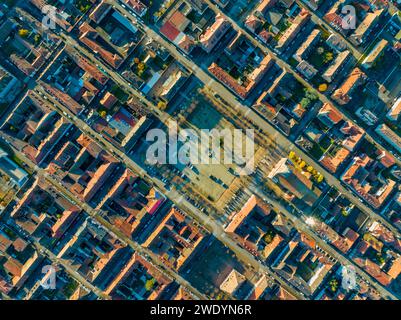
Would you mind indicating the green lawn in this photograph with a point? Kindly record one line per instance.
(325, 143)
(316, 151)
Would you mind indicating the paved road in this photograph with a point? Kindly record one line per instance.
(318, 17)
(217, 230)
(209, 223)
(303, 227)
(172, 194)
(226, 95)
(95, 214)
(281, 139)
(57, 261)
(67, 266)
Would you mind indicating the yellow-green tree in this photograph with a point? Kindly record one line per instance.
(333, 285)
(161, 105)
(23, 33)
(323, 87)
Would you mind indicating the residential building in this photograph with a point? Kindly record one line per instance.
(174, 239)
(336, 66)
(394, 113)
(298, 184)
(361, 178)
(389, 136)
(247, 225)
(362, 32)
(291, 32)
(214, 33)
(307, 46)
(343, 94)
(375, 54)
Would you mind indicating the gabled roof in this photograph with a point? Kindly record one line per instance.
(252, 202)
(353, 80)
(233, 280)
(333, 163)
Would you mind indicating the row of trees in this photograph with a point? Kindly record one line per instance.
(302, 165)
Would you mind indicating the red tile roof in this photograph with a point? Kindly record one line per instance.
(239, 217)
(228, 80)
(169, 31)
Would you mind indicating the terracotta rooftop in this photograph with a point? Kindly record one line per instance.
(169, 31)
(353, 133)
(239, 217)
(252, 22)
(355, 172)
(139, 7)
(214, 33)
(264, 5)
(374, 270)
(228, 80)
(386, 158)
(342, 94)
(233, 280)
(333, 163)
(394, 113)
(395, 268)
(108, 100)
(179, 20)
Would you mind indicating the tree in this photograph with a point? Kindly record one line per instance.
(103, 113)
(149, 284)
(380, 258)
(136, 60)
(305, 102)
(268, 237)
(23, 33)
(161, 105)
(328, 56)
(323, 87)
(37, 38)
(310, 95)
(333, 285)
(320, 178)
(309, 169)
(83, 9)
